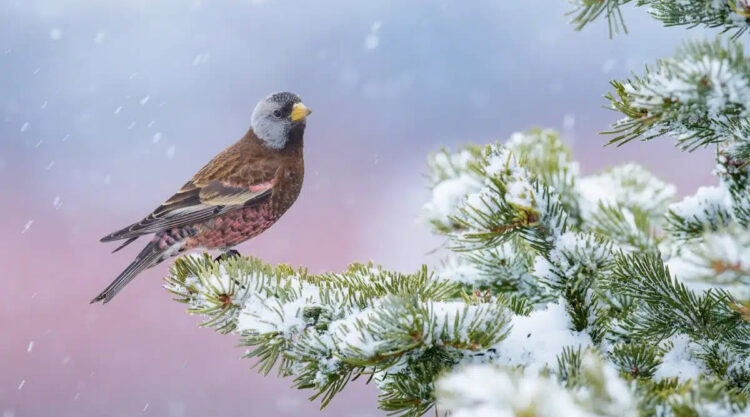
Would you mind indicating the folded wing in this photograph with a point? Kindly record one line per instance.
(195, 204)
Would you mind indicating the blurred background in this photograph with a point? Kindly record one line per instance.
(106, 108)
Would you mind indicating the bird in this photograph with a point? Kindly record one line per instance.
(236, 196)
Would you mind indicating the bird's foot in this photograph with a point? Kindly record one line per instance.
(231, 253)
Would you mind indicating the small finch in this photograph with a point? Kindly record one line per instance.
(238, 195)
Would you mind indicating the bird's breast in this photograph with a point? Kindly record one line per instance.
(287, 189)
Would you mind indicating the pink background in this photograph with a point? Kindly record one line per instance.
(442, 73)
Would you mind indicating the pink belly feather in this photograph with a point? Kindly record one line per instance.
(233, 228)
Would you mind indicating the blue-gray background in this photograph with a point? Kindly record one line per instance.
(106, 107)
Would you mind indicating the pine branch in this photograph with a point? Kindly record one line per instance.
(636, 360)
(573, 269)
(700, 96)
(730, 15)
(587, 11)
(546, 268)
(630, 228)
(593, 389)
(718, 259)
(514, 202)
(328, 329)
(706, 211)
(668, 306)
(703, 397)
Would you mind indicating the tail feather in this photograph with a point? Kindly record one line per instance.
(118, 235)
(126, 243)
(149, 256)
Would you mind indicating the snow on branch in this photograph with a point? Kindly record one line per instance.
(327, 329)
(558, 294)
(595, 390)
(700, 96)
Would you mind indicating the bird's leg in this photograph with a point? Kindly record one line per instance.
(228, 254)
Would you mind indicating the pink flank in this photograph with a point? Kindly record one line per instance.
(233, 228)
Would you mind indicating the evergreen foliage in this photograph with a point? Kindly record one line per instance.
(559, 294)
(729, 15)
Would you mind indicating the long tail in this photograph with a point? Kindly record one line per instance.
(149, 256)
(126, 243)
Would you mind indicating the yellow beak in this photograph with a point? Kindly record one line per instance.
(299, 112)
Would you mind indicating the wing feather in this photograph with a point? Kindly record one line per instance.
(207, 203)
(235, 178)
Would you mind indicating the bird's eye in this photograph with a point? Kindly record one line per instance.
(277, 113)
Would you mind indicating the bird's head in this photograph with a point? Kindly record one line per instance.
(279, 117)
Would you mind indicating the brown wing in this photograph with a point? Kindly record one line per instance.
(237, 177)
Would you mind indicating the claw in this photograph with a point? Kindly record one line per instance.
(231, 253)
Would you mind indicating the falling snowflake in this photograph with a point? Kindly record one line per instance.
(200, 59)
(27, 226)
(608, 66)
(372, 40)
